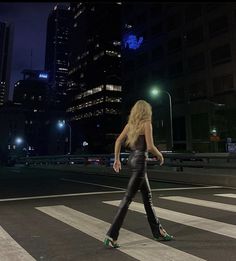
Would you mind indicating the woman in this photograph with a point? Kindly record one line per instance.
(138, 135)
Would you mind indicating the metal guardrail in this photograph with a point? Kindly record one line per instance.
(177, 160)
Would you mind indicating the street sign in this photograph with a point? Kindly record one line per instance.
(231, 147)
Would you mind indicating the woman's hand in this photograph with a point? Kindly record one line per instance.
(117, 166)
(160, 157)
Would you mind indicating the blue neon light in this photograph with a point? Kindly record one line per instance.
(43, 75)
(133, 42)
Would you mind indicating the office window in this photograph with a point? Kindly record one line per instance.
(157, 53)
(178, 93)
(129, 65)
(218, 26)
(200, 126)
(158, 74)
(174, 22)
(156, 9)
(141, 19)
(175, 69)
(197, 90)
(223, 83)
(194, 36)
(142, 59)
(221, 54)
(196, 62)
(174, 45)
(156, 29)
(192, 12)
(212, 7)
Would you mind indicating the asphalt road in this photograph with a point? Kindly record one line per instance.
(63, 216)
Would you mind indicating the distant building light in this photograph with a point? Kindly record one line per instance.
(116, 43)
(85, 143)
(55, 7)
(128, 26)
(43, 75)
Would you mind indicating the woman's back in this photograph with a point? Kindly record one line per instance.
(140, 143)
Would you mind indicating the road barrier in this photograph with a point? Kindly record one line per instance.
(179, 161)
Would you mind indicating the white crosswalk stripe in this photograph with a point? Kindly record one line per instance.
(203, 203)
(10, 250)
(229, 195)
(133, 244)
(188, 220)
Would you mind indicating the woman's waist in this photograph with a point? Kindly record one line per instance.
(139, 152)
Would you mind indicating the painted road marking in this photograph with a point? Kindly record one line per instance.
(132, 244)
(202, 203)
(188, 220)
(10, 250)
(226, 195)
(187, 188)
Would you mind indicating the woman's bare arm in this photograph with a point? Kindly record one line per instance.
(119, 141)
(149, 141)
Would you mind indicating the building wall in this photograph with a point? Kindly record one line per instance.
(57, 52)
(189, 51)
(5, 60)
(95, 89)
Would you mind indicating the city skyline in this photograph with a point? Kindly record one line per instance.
(29, 22)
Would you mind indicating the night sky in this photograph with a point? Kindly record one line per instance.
(30, 25)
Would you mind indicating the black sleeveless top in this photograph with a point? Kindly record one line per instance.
(140, 144)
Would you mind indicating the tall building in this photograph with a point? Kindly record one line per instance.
(5, 60)
(56, 59)
(31, 93)
(94, 90)
(188, 50)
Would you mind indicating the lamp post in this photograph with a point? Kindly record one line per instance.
(156, 92)
(61, 124)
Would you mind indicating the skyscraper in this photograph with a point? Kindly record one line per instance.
(188, 50)
(5, 60)
(56, 60)
(95, 73)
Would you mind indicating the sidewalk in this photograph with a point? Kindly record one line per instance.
(196, 176)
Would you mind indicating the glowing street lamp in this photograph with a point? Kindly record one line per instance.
(61, 125)
(19, 141)
(155, 92)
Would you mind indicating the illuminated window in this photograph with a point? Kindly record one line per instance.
(111, 111)
(110, 87)
(110, 99)
(98, 55)
(112, 53)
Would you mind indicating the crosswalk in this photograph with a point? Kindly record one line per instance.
(134, 245)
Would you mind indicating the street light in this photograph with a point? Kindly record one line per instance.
(18, 140)
(61, 124)
(155, 92)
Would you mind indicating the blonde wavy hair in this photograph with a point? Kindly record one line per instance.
(140, 112)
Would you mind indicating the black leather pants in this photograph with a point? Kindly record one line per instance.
(138, 180)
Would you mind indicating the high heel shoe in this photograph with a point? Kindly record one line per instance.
(107, 241)
(165, 236)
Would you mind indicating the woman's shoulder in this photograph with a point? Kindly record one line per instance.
(147, 123)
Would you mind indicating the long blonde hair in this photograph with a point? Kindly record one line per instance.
(140, 112)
